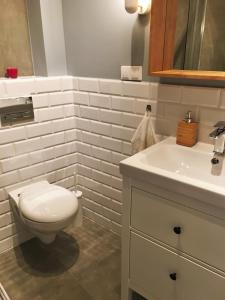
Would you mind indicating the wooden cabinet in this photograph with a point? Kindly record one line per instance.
(171, 251)
(162, 45)
(165, 275)
(187, 230)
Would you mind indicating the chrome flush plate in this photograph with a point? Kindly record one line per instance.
(16, 110)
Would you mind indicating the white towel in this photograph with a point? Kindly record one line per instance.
(144, 136)
(3, 294)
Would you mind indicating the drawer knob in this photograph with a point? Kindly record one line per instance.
(177, 230)
(173, 276)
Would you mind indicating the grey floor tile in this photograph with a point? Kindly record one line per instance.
(102, 280)
(82, 264)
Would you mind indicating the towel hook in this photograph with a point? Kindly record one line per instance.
(148, 108)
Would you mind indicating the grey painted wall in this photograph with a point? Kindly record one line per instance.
(53, 32)
(36, 37)
(47, 37)
(101, 36)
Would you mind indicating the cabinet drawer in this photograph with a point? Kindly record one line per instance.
(189, 231)
(164, 275)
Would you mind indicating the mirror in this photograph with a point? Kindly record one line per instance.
(200, 35)
(187, 39)
(15, 48)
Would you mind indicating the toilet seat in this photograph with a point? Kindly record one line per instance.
(45, 209)
(47, 203)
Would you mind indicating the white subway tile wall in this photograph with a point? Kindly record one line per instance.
(84, 126)
(43, 149)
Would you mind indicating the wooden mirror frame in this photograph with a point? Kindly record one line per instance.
(162, 40)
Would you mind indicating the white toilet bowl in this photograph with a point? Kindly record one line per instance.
(44, 208)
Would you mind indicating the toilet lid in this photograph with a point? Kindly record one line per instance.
(48, 203)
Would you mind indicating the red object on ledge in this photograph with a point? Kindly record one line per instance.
(11, 72)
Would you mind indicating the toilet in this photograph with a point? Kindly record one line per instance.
(44, 208)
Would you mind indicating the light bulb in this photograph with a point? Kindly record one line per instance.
(144, 6)
(131, 6)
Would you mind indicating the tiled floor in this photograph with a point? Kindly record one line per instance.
(82, 264)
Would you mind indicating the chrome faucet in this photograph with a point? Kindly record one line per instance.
(218, 136)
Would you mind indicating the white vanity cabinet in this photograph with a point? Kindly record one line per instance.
(173, 246)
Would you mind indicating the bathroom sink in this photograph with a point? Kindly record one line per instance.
(191, 162)
(185, 170)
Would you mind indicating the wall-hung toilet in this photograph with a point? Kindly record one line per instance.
(44, 208)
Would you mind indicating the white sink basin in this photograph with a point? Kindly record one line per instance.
(190, 162)
(185, 170)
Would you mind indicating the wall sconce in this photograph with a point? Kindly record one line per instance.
(144, 7)
(141, 6)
